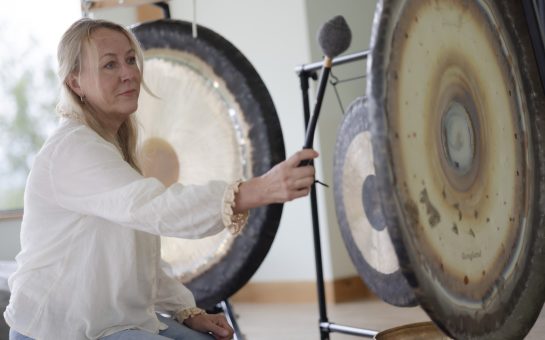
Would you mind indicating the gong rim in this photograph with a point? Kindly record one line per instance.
(249, 248)
(511, 303)
(361, 221)
(415, 331)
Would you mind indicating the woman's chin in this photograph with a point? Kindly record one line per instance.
(128, 110)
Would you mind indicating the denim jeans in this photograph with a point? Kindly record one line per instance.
(175, 331)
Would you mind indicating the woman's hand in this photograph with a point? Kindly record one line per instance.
(211, 323)
(286, 181)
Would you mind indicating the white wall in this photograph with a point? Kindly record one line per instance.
(276, 36)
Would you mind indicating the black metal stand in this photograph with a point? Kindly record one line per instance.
(305, 72)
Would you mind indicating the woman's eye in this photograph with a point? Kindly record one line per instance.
(131, 60)
(109, 65)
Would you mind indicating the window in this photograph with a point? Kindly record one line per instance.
(29, 33)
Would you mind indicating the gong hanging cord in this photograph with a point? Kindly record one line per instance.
(335, 81)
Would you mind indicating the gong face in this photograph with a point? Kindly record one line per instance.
(208, 117)
(470, 196)
(454, 125)
(197, 118)
(359, 210)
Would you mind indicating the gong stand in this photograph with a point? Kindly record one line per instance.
(325, 326)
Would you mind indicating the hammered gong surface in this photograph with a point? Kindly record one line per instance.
(456, 108)
(359, 211)
(210, 118)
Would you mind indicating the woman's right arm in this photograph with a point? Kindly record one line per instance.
(90, 177)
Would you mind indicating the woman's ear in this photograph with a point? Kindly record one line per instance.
(73, 84)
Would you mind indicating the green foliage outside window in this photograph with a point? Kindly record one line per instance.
(28, 94)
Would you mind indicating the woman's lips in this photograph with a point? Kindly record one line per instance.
(128, 93)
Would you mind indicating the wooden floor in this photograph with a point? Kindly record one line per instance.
(300, 321)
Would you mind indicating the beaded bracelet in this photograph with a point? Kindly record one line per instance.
(233, 222)
(188, 313)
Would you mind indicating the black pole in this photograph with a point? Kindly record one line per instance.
(324, 334)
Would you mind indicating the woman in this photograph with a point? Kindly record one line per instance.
(89, 266)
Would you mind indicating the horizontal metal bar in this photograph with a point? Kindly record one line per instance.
(332, 327)
(336, 61)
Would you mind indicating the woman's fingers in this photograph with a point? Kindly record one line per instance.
(223, 329)
(286, 181)
(296, 180)
(302, 172)
(301, 155)
(213, 323)
(303, 183)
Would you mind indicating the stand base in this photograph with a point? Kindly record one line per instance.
(331, 327)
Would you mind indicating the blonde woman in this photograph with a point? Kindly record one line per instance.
(89, 267)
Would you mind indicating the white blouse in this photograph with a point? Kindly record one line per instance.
(90, 255)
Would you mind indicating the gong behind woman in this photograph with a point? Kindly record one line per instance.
(210, 118)
(457, 112)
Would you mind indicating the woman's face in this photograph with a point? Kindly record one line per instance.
(109, 77)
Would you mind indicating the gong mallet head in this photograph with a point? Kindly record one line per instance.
(334, 38)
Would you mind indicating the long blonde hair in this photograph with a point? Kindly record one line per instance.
(69, 55)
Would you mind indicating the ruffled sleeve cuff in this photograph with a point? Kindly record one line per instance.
(183, 314)
(233, 222)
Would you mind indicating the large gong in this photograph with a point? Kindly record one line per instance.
(457, 110)
(211, 118)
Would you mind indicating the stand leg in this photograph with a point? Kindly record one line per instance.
(324, 333)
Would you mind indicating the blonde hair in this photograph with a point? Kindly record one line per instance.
(70, 56)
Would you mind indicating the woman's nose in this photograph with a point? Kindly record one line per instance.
(128, 72)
